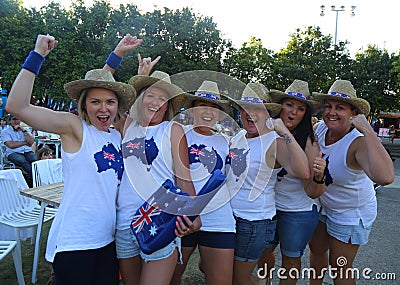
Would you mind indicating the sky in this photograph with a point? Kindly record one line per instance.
(374, 21)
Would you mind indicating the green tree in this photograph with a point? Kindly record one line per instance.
(395, 75)
(251, 63)
(184, 40)
(373, 80)
(311, 56)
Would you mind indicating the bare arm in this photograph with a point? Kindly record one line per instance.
(317, 166)
(126, 44)
(18, 103)
(369, 154)
(181, 159)
(289, 154)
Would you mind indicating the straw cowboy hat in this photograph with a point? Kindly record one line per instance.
(257, 94)
(297, 90)
(102, 78)
(160, 80)
(207, 92)
(343, 90)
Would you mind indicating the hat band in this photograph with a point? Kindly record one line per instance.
(339, 94)
(254, 100)
(208, 96)
(298, 95)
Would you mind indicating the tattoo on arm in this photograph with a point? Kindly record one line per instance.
(286, 138)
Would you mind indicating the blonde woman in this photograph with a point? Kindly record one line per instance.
(81, 239)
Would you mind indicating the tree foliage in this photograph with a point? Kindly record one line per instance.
(185, 41)
(311, 56)
(373, 79)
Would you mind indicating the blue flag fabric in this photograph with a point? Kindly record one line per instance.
(154, 222)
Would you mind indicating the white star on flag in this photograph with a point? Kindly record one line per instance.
(153, 230)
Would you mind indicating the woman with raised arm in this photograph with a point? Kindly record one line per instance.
(271, 147)
(163, 155)
(154, 149)
(81, 239)
(296, 199)
(355, 159)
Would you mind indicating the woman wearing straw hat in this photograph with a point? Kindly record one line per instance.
(208, 151)
(154, 149)
(355, 160)
(271, 148)
(295, 199)
(81, 239)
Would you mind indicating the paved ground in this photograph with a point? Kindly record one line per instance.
(380, 258)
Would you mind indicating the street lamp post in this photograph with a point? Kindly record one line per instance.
(337, 10)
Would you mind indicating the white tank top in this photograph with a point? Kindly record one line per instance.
(86, 217)
(207, 153)
(256, 198)
(349, 194)
(290, 195)
(148, 163)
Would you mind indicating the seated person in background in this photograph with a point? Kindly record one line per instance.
(18, 142)
(44, 153)
(3, 124)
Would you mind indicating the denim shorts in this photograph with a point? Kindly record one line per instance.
(294, 229)
(127, 247)
(354, 234)
(252, 237)
(224, 240)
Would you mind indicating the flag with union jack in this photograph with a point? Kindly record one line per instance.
(146, 212)
(154, 222)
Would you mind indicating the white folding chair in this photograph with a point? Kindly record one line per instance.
(18, 211)
(10, 246)
(4, 162)
(47, 171)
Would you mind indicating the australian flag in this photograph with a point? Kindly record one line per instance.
(154, 222)
(110, 158)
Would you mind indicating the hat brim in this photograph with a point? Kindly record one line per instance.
(139, 82)
(277, 96)
(190, 98)
(125, 92)
(273, 108)
(176, 94)
(360, 104)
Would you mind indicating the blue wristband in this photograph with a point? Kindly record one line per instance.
(113, 60)
(33, 62)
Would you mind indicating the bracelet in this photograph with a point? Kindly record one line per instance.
(33, 62)
(113, 60)
(322, 181)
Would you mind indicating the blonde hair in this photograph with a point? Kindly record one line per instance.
(136, 110)
(82, 112)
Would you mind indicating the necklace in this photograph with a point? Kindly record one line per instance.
(333, 139)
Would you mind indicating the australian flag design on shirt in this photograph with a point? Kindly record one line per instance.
(209, 158)
(237, 161)
(327, 175)
(109, 158)
(281, 173)
(145, 150)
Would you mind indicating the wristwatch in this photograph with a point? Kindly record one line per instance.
(322, 181)
(24, 131)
